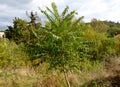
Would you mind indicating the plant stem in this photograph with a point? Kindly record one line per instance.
(66, 78)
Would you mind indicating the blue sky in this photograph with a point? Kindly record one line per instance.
(100, 9)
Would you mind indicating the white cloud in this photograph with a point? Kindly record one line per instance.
(101, 9)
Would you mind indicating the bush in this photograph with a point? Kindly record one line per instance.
(11, 54)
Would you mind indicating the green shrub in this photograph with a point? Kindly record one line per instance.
(11, 54)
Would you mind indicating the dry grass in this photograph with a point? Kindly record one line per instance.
(31, 77)
(41, 77)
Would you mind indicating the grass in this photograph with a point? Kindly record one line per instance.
(29, 77)
(16, 70)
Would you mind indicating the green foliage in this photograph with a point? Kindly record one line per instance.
(11, 54)
(65, 43)
(64, 40)
(107, 27)
(19, 31)
(34, 20)
(97, 45)
(99, 26)
(112, 31)
(63, 21)
(113, 28)
(59, 44)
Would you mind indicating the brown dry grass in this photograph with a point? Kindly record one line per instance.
(41, 77)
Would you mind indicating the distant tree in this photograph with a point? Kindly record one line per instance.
(34, 19)
(114, 28)
(99, 26)
(19, 31)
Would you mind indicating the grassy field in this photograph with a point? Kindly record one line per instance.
(26, 76)
(17, 71)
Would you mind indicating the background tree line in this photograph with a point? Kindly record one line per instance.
(63, 38)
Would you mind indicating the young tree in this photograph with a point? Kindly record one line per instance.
(58, 43)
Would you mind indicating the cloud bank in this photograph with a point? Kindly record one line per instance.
(100, 9)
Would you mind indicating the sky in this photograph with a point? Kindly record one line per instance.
(99, 9)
